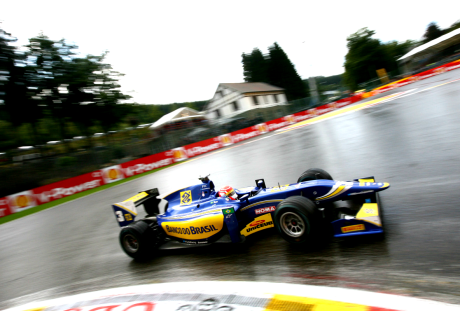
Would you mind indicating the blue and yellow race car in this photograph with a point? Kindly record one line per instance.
(199, 215)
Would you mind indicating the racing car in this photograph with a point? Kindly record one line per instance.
(200, 215)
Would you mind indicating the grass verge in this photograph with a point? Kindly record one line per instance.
(75, 196)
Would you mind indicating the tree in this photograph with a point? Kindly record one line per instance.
(275, 69)
(432, 32)
(454, 26)
(255, 67)
(394, 50)
(282, 73)
(82, 90)
(47, 73)
(365, 55)
(17, 105)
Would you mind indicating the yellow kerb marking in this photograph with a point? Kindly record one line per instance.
(338, 112)
(288, 303)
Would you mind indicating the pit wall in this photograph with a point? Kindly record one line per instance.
(24, 200)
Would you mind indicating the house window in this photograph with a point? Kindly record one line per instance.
(235, 105)
(275, 98)
(217, 113)
(266, 99)
(254, 98)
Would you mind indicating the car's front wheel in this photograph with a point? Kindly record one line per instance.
(313, 174)
(295, 219)
(139, 240)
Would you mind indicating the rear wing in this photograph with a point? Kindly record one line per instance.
(126, 211)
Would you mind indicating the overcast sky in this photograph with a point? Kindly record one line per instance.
(179, 51)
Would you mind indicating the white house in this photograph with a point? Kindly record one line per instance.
(231, 99)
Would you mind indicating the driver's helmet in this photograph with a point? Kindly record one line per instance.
(228, 192)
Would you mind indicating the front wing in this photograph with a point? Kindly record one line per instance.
(368, 220)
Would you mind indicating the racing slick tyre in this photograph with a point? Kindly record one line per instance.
(294, 219)
(138, 240)
(313, 174)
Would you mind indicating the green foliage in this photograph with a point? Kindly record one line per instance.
(432, 32)
(66, 161)
(367, 54)
(56, 94)
(454, 26)
(118, 152)
(282, 73)
(7, 133)
(255, 67)
(393, 51)
(275, 69)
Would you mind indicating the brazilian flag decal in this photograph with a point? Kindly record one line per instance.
(228, 211)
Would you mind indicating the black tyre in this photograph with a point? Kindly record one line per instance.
(313, 174)
(295, 219)
(138, 240)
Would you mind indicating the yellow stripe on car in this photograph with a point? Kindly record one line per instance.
(366, 180)
(137, 197)
(333, 194)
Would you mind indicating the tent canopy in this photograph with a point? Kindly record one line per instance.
(437, 44)
(181, 114)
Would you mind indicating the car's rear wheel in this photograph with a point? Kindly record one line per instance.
(139, 240)
(313, 174)
(295, 219)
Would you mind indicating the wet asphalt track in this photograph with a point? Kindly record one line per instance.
(411, 142)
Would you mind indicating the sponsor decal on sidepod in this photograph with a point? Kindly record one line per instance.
(265, 210)
(259, 223)
(195, 229)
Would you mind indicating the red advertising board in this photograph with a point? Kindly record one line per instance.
(67, 187)
(325, 109)
(453, 65)
(304, 115)
(201, 147)
(147, 163)
(244, 134)
(277, 124)
(4, 207)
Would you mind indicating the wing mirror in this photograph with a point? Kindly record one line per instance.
(245, 197)
(261, 183)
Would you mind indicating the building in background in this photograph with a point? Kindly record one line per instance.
(245, 100)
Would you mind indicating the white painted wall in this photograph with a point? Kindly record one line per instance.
(225, 106)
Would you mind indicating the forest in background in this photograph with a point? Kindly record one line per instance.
(47, 93)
